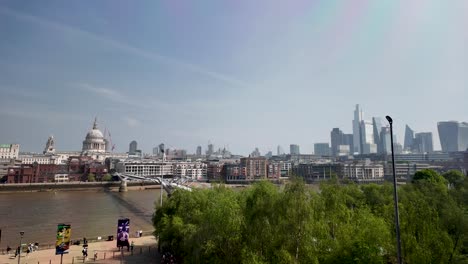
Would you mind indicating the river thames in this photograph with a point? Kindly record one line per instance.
(91, 214)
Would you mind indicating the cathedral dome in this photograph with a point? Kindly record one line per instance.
(94, 134)
(95, 141)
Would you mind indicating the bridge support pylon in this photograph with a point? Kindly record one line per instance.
(123, 186)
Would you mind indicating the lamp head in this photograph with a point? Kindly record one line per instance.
(21, 233)
(389, 119)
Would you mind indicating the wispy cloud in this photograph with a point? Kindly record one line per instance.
(118, 97)
(130, 121)
(127, 48)
(106, 93)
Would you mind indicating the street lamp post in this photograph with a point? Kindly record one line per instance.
(161, 189)
(395, 194)
(20, 246)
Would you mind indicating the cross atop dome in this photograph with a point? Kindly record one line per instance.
(95, 123)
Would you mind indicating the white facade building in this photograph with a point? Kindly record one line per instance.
(362, 171)
(156, 168)
(193, 170)
(9, 151)
(145, 168)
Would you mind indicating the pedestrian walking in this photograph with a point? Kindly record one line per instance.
(85, 252)
(141, 233)
(132, 245)
(8, 250)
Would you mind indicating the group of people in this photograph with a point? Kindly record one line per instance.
(167, 257)
(31, 248)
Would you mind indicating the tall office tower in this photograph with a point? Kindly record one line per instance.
(423, 142)
(199, 151)
(357, 130)
(336, 139)
(377, 125)
(453, 136)
(322, 149)
(409, 139)
(161, 149)
(156, 151)
(294, 149)
(210, 150)
(367, 138)
(385, 141)
(397, 147)
(348, 139)
(279, 150)
(132, 148)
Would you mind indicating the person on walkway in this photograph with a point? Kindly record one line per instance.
(8, 250)
(141, 233)
(85, 252)
(132, 245)
(17, 252)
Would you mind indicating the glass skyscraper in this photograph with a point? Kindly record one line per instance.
(453, 136)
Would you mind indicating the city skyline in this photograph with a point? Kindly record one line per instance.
(257, 74)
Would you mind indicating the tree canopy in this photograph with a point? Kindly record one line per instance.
(340, 223)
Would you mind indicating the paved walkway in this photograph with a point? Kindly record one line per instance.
(145, 252)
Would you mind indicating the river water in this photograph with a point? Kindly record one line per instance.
(90, 213)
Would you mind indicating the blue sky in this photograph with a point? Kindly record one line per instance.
(241, 74)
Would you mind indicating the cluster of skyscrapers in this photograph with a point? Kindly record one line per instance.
(368, 137)
(373, 137)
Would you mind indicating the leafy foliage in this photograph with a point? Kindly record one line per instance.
(106, 177)
(337, 224)
(91, 177)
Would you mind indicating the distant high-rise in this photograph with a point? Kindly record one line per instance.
(357, 130)
(409, 139)
(377, 125)
(156, 151)
(294, 149)
(132, 148)
(385, 141)
(337, 138)
(322, 149)
(423, 142)
(368, 145)
(279, 150)
(256, 153)
(348, 139)
(199, 151)
(161, 148)
(453, 136)
(210, 150)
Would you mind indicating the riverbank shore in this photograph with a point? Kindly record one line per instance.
(144, 251)
(75, 186)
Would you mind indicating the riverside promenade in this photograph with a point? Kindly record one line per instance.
(145, 252)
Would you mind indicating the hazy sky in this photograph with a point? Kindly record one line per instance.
(241, 74)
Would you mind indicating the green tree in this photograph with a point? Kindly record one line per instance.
(91, 177)
(455, 178)
(106, 177)
(261, 219)
(428, 175)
